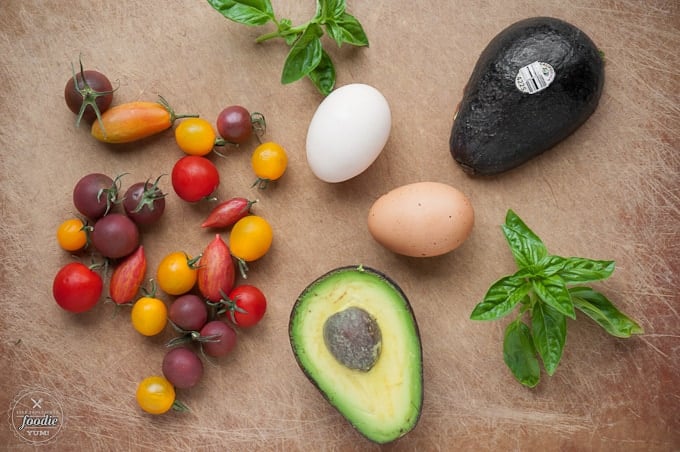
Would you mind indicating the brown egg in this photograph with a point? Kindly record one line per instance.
(422, 219)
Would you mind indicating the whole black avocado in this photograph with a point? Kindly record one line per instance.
(534, 84)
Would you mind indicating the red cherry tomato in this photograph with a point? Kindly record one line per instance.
(247, 305)
(194, 178)
(77, 288)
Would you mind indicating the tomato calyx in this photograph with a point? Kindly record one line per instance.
(151, 292)
(191, 337)
(173, 116)
(259, 124)
(179, 406)
(89, 95)
(242, 266)
(193, 262)
(227, 306)
(111, 194)
(150, 195)
(261, 183)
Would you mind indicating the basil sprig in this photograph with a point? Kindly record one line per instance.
(306, 57)
(548, 290)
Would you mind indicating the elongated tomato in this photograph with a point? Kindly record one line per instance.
(216, 273)
(228, 212)
(134, 121)
(127, 277)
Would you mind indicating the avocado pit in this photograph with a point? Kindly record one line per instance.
(353, 337)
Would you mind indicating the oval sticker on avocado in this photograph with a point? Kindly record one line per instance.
(534, 77)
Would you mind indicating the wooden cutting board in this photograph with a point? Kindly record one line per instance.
(611, 191)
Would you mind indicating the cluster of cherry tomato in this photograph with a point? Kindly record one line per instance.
(207, 303)
(112, 233)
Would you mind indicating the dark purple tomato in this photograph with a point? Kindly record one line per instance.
(144, 202)
(189, 312)
(217, 338)
(182, 367)
(234, 124)
(115, 236)
(94, 195)
(86, 92)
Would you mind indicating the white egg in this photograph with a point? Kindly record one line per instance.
(348, 132)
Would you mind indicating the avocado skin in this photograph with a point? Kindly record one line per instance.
(498, 127)
(407, 307)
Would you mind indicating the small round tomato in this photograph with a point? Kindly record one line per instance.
(149, 316)
(155, 395)
(235, 124)
(250, 238)
(176, 273)
(217, 338)
(144, 202)
(247, 305)
(269, 162)
(182, 367)
(94, 194)
(71, 235)
(188, 312)
(88, 94)
(77, 288)
(195, 136)
(115, 235)
(194, 178)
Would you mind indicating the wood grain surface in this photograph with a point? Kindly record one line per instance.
(611, 191)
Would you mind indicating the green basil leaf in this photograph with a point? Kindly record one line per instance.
(501, 298)
(350, 31)
(334, 31)
(248, 12)
(527, 249)
(603, 312)
(549, 330)
(329, 9)
(579, 270)
(519, 354)
(553, 291)
(323, 75)
(550, 265)
(304, 55)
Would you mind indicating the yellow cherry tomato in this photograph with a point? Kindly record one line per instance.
(71, 235)
(195, 136)
(269, 162)
(250, 238)
(149, 316)
(155, 395)
(176, 273)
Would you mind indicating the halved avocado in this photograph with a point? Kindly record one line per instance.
(534, 84)
(355, 337)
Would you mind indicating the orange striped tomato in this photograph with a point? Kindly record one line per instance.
(134, 121)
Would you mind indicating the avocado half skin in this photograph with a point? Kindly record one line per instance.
(407, 306)
(498, 127)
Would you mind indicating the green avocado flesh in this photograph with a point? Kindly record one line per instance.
(355, 337)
